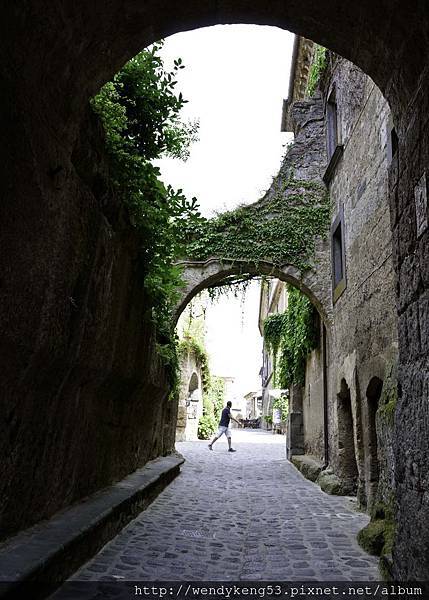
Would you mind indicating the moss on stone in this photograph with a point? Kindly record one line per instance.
(308, 466)
(330, 483)
(389, 396)
(371, 537)
(389, 537)
(378, 536)
(281, 228)
(385, 566)
(387, 411)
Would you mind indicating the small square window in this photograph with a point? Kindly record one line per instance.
(338, 256)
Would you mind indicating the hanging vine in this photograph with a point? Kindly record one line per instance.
(317, 67)
(290, 336)
(281, 228)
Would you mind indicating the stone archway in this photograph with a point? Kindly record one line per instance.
(346, 439)
(373, 394)
(55, 237)
(190, 407)
(199, 275)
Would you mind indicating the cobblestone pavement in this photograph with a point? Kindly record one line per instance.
(248, 515)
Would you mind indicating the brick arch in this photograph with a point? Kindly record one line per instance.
(200, 275)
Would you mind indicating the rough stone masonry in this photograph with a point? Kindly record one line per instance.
(63, 432)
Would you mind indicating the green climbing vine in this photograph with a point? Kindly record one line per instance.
(317, 67)
(213, 387)
(290, 336)
(280, 228)
(213, 402)
(282, 404)
(140, 113)
(189, 345)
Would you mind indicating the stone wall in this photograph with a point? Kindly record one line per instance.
(364, 343)
(190, 403)
(84, 394)
(313, 406)
(411, 260)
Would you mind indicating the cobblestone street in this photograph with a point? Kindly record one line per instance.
(244, 516)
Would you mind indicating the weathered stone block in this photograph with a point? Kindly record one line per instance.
(409, 281)
(331, 484)
(308, 465)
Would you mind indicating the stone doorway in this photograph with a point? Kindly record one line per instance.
(373, 394)
(346, 444)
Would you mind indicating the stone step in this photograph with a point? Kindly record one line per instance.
(49, 552)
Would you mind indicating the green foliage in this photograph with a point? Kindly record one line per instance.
(317, 67)
(169, 356)
(213, 401)
(371, 537)
(233, 285)
(389, 397)
(140, 113)
(273, 335)
(206, 427)
(190, 345)
(268, 419)
(282, 404)
(291, 336)
(378, 536)
(216, 395)
(280, 228)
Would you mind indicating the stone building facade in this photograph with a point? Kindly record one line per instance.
(342, 417)
(273, 299)
(190, 330)
(190, 403)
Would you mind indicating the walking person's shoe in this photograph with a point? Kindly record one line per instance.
(210, 447)
(232, 450)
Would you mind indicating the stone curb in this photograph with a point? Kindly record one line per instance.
(309, 466)
(51, 551)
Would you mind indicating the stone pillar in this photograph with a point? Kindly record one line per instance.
(295, 430)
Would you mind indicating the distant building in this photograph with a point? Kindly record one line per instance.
(190, 329)
(273, 299)
(253, 404)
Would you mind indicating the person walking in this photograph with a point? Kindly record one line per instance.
(224, 427)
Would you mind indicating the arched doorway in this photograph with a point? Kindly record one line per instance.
(346, 443)
(373, 394)
(190, 404)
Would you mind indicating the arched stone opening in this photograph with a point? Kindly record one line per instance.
(83, 45)
(346, 444)
(193, 384)
(189, 403)
(200, 275)
(373, 394)
(305, 433)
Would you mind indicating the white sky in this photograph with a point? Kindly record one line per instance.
(235, 79)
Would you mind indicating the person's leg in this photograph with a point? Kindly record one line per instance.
(228, 436)
(220, 432)
(213, 441)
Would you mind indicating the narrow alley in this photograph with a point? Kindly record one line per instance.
(244, 516)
